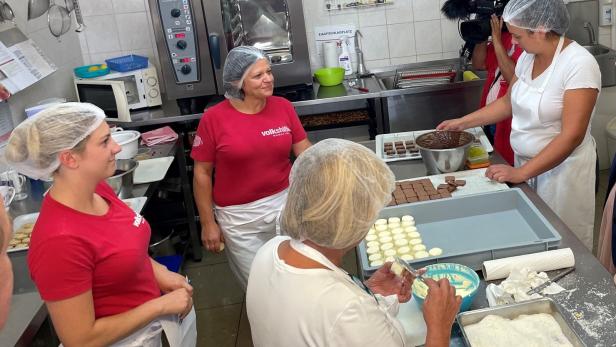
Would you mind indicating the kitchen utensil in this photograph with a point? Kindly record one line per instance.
(129, 141)
(69, 5)
(7, 193)
(329, 76)
(13, 179)
(463, 278)
(409, 268)
(78, 16)
(37, 8)
(122, 180)
(353, 84)
(6, 12)
(540, 287)
(59, 19)
(444, 151)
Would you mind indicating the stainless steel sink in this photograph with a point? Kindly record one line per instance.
(388, 79)
(597, 49)
(606, 58)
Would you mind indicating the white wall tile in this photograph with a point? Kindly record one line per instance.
(95, 7)
(401, 40)
(606, 39)
(102, 34)
(371, 18)
(344, 17)
(315, 14)
(126, 6)
(99, 58)
(373, 64)
(375, 43)
(451, 55)
(404, 60)
(428, 37)
(451, 37)
(429, 57)
(426, 10)
(83, 42)
(131, 30)
(400, 12)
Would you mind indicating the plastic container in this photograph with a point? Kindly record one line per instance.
(477, 155)
(127, 63)
(329, 76)
(462, 277)
(91, 71)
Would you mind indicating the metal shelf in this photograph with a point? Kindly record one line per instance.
(339, 5)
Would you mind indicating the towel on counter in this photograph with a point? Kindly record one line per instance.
(158, 136)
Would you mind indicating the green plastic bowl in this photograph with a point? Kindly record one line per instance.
(329, 76)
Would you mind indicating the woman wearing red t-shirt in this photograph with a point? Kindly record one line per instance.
(248, 139)
(89, 251)
(6, 270)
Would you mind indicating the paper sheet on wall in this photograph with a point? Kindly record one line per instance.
(22, 65)
(334, 33)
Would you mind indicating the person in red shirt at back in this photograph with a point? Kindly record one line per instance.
(247, 139)
(88, 252)
(498, 57)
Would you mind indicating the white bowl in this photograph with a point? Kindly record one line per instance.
(129, 141)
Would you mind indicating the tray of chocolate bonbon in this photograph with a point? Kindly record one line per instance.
(402, 146)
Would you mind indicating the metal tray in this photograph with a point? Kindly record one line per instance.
(544, 305)
(411, 135)
(475, 228)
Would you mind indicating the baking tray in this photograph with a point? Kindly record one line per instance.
(411, 135)
(17, 223)
(544, 305)
(152, 170)
(475, 228)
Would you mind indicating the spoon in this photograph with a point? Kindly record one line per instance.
(410, 269)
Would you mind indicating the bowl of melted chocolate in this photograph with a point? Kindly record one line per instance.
(122, 179)
(444, 151)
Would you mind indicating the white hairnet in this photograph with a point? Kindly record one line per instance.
(239, 60)
(538, 15)
(34, 145)
(337, 189)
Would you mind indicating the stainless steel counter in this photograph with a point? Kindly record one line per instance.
(589, 303)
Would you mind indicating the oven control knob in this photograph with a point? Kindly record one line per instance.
(181, 44)
(153, 93)
(186, 69)
(151, 81)
(176, 12)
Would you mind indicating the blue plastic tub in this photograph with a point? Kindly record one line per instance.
(172, 262)
(462, 277)
(91, 71)
(127, 63)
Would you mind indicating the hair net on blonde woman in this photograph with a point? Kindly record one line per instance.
(538, 15)
(337, 189)
(34, 145)
(239, 60)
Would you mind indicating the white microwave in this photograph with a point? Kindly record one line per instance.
(120, 92)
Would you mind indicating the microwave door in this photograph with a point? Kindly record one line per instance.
(110, 96)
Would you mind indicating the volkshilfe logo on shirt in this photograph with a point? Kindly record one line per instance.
(283, 130)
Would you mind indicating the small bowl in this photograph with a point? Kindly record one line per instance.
(122, 181)
(329, 76)
(444, 151)
(462, 277)
(129, 141)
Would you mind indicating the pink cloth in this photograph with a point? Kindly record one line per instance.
(604, 250)
(157, 136)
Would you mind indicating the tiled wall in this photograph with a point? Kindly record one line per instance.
(115, 28)
(406, 31)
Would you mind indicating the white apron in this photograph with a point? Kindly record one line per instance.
(148, 336)
(388, 305)
(569, 188)
(246, 228)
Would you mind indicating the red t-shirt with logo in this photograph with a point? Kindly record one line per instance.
(72, 252)
(250, 152)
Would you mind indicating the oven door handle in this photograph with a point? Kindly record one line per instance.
(214, 41)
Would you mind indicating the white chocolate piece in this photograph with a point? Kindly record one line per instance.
(376, 263)
(406, 257)
(397, 231)
(380, 227)
(410, 229)
(371, 238)
(393, 220)
(421, 254)
(373, 250)
(414, 235)
(387, 246)
(385, 239)
(406, 224)
(414, 242)
(400, 242)
(389, 252)
(222, 247)
(384, 234)
(404, 250)
(371, 244)
(417, 248)
(435, 252)
(399, 236)
(407, 218)
(390, 259)
(396, 269)
(372, 231)
(381, 221)
(376, 256)
(393, 226)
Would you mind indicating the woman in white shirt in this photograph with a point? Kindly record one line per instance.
(552, 100)
(298, 294)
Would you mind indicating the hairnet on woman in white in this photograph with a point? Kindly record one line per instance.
(239, 60)
(34, 145)
(538, 15)
(337, 188)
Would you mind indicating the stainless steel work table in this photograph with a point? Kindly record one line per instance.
(589, 303)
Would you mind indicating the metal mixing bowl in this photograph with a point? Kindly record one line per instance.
(122, 181)
(441, 157)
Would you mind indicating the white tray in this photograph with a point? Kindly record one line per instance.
(411, 135)
(18, 222)
(136, 203)
(152, 170)
(476, 182)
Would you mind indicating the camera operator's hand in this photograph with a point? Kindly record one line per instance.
(497, 29)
